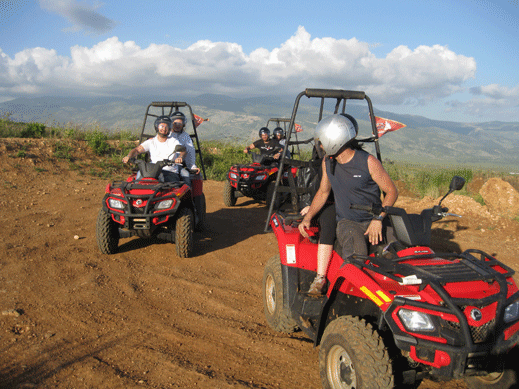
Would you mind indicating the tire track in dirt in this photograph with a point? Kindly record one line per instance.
(144, 318)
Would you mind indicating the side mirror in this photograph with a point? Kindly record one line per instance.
(457, 183)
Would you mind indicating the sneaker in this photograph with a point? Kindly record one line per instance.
(317, 285)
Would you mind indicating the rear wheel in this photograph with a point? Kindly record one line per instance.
(184, 233)
(270, 195)
(201, 211)
(107, 233)
(276, 308)
(353, 356)
(229, 197)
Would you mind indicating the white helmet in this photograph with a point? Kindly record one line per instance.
(335, 131)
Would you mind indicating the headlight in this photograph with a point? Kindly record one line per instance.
(164, 204)
(115, 204)
(416, 321)
(261, 177)
(233, 175)
(512, 312)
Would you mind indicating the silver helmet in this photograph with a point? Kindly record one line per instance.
(335, 131)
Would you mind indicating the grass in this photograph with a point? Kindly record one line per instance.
(107, 151)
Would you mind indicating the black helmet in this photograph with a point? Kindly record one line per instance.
(179, 115)
(264, 130)
(279, 130)
(162, 119)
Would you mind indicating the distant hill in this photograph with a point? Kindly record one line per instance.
(491, 144)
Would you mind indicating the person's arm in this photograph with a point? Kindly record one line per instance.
(386, 185)
(278, 150)
(133, 153)
(190, 157)
(249, 148)
(317, 203)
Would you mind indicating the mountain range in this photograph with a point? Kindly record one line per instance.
(237, 120)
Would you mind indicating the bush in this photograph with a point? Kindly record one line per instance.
(63, 151)
(33, 130)
(97, 141)
(219, 157)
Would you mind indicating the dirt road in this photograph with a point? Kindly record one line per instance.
(144, 318)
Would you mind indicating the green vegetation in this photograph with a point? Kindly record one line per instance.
(97, 141)
(109, 149)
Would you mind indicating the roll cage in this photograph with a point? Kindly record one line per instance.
(160, 108)
(296, 187)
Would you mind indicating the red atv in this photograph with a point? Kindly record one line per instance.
(401, 314)
(256, 180)
(148, 206)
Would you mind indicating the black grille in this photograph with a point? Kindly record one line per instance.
(479, 334)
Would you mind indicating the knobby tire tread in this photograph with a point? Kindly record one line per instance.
(370, 356)
(107, 233)
(184, 233)
(281, 320)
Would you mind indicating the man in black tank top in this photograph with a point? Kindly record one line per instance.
(356, 177)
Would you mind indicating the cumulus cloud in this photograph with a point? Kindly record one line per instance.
(80, 15)
(117, 68)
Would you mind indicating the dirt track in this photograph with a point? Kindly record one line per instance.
(143, 318)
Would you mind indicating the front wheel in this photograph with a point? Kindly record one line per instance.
(107, 233)
(184, 233)
(353, 356)
(506, 378)
(275, 307)
(229, 197)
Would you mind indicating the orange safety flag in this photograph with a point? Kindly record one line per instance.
(198, 120)
(387, 125)
(298, 127)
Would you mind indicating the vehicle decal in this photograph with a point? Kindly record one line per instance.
(383, 296)
(371, 295)
(291, 253)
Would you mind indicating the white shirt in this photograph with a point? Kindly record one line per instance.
(185, 140)
(162, 150)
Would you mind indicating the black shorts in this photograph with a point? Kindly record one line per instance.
(328, 224)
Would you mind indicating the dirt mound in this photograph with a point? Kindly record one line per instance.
(500, 197)
(143, 318)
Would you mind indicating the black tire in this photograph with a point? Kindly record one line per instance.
(107, 233)
(184, 232)
(270, 195)
(353, 355)
(506, 379)
(229, 198)
(276, 308)
(201, 211)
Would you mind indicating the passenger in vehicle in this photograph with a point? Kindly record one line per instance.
(179, 123)
(279, 135)
(356, 177)
(266, 145)
(161, 147)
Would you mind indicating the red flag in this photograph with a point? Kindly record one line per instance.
(298, 127)
(387, 125)
(198, 120)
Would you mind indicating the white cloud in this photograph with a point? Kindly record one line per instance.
(80, 15)
(117, 68)
(490, 102)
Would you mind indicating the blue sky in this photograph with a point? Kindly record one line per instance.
(443, 59)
